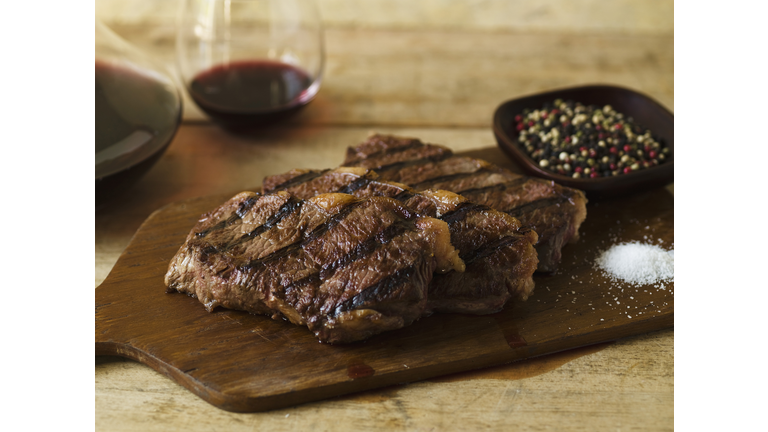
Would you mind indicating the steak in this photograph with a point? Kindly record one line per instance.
(553, 211)
(345, 267)
(498, 253)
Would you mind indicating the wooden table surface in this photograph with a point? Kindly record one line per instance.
(436, 71)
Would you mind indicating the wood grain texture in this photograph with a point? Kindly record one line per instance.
(244, 363)
(626, 385)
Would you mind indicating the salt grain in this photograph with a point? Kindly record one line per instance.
(638, 263)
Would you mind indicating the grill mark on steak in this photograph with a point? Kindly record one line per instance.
(302, 178)
(424, 184)
(244, 207)
(378, 290)
(292, 205)
(405, 195)
(294, 285)
(485, 249)
(355, 185)
(413, 144)
(404, 164)
(535, 205)
(496, 187)
(383, 237)
(317, 232)
(488, 249)
(366, 247)
(460, 212)
(488, 184)
(361, 251)
(238, 214)
(483, 231)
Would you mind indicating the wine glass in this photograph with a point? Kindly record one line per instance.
(250, 63)
(138, 110)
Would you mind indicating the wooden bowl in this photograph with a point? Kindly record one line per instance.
(645, 111)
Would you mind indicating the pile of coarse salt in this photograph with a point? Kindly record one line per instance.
(638, 263)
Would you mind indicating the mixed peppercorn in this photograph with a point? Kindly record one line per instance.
(574, 140)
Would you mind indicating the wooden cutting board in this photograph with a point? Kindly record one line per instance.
(245, 363)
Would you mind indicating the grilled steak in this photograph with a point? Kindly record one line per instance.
(553, 211)
(499, 255)
(347, 268)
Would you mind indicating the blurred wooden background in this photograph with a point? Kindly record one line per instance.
(433, 55)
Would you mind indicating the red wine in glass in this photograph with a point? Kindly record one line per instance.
(253, 93)
(136, 118)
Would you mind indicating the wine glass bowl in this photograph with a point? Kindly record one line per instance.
(250, 63)
(138, 110)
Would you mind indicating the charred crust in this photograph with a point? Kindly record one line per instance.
(498, 187)
(358, 183)
(405, 164)
(425, 184)
(461, 212)
(379, 290)
(299, 179)
(535, 205)
(490, 248)
(410, 144)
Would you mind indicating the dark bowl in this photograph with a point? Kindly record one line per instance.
(645, 111)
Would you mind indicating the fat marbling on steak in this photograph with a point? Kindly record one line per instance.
(345, 267)
(499, 255)
(555, 212)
